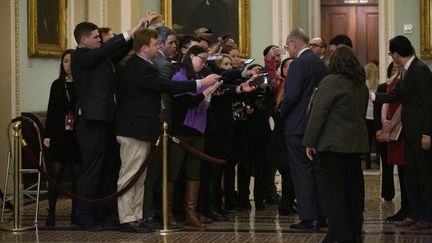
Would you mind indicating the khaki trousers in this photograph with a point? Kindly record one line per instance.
(132, 153)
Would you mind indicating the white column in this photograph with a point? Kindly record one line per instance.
(282, 20)
(386, 14)
(125, 14)
(70, 24)
(314, 18)
(97, 13)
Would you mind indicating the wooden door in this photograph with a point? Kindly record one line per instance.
(359, 22)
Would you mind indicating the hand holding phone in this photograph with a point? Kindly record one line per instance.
(249, 61)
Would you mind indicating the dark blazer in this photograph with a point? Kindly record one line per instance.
(139, 99)
(64, 145)
(166, 70)
(337, 121)
(165, 67)
(305, 73)
(415, 94)
(95, 78)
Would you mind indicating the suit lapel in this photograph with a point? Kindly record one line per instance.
(410, 68)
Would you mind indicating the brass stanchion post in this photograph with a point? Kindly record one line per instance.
(17, 179)
(166, 228)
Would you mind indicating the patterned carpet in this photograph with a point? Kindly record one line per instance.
(245, 226)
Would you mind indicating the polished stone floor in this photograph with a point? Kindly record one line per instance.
(245, 226)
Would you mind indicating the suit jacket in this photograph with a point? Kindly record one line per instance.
(382, 88)
(303, 76)
(139, 99)
(95, 78)
(166, 70)
(337, 121)
(415, 94)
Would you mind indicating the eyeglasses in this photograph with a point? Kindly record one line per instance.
(286, 45)
(204, 59)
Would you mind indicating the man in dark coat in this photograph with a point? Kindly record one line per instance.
(137, 121)
(305, 73)
(93, 73)
(414, 90)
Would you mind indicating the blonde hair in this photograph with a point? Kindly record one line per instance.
(372, 76)
(218, 62)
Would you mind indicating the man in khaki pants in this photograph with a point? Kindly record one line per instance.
(137, 121)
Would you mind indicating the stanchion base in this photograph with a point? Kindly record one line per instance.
(20, 229)
(170, 230)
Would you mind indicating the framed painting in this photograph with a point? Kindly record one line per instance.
(46, 28)
(223, 17)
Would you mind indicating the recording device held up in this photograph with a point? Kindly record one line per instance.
(263, 78)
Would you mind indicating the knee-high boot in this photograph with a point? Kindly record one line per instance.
(191, 201)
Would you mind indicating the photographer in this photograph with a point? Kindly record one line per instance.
(92, 71)
(219, 135)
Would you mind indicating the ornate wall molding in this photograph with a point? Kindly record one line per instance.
(386, 11)
(16, 77)
(282, 20)
(97, 12)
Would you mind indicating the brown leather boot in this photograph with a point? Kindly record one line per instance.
(171, 218)
(191, 201)
(203, 219)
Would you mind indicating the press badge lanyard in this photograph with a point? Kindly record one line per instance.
(68, 96)
(69, 119)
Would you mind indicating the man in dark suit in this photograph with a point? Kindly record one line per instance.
(162, 61)
(92, 69)
(305, 73)
(137, 120)
(414, 90)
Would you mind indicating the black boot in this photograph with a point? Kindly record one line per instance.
(212, 199)
(50, 220)
(52, 201)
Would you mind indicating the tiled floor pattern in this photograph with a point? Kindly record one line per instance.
(246, 226)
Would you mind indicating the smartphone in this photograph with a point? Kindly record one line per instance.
(263, 78)
(249, 61)
(215, 57)
(281, 51)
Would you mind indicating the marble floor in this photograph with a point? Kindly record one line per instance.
(245, 226)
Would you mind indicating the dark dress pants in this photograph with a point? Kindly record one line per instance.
(100, 163)
(260, 138)
(387, 181)
(307, 179)
(418, 177)
(152, 184)
(343, 183)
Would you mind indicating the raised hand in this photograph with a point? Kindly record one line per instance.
(210, 79)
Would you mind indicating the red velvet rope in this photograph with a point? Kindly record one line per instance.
(32, 158)
(197, 152)
(30, 155)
